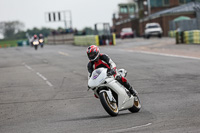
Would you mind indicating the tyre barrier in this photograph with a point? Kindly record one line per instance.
(192, 37)
(187, 37)
(94, 40)
(172, 33)
(86, 40)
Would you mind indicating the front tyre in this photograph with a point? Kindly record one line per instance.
(110, 107)
(36, 47)
(136, 105)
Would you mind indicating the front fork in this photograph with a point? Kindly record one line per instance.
(109, 93)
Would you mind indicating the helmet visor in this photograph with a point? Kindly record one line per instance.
(92, 55)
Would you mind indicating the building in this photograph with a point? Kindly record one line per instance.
(163, 17)
(127, 16)
(136, 14)
(158, 5)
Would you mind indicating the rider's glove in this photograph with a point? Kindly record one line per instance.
(111, 72)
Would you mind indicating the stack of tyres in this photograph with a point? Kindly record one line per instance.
(186, 37)
(192, 37)
(196, 34)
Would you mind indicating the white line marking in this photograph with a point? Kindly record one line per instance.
(28, 67)
(40, 75)
(62, 53)
(49, 83)
(171, 55)
(128, 129)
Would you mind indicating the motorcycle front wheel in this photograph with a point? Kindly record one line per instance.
(35, 47)
(110, 107)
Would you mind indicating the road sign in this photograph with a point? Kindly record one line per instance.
(59, 16)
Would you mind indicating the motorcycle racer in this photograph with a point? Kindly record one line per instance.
(35, 37)
(98, 60)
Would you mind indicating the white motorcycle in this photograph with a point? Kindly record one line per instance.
(35, 44)
(114, 96)
(41, 41)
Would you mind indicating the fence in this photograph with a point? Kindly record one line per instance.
(13, 43)
(186, 25)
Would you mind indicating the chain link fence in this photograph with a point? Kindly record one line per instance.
(186, 25)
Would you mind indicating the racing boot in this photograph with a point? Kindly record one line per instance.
(130, 88)
(125, 83)
(132, 91)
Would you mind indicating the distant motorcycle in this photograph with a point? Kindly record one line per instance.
(41, 41)
(114, 97)
(35, 44)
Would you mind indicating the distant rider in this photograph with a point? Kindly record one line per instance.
(35, 38)
(98, 60)
(41, 36)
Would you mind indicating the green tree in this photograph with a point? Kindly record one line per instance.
(88, 30)
(9, 29)
(20, 35)
(44, 31)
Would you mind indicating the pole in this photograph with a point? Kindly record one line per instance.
(65, 21)
(149, 7)
(70, 19)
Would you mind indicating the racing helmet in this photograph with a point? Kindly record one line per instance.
(35, 36)
(40, 35)
(93, 53)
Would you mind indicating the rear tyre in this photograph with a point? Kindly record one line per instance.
(110, 107)
(136, 105)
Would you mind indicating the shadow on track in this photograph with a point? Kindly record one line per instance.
(94, 117)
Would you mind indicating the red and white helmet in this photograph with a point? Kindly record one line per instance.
(93, 52)
(35, 36)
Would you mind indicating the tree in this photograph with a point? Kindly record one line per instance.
(88, 30)
(9, 29)
(44, 31)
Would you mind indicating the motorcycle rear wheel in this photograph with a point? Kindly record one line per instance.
(136, 105)
(110, 107)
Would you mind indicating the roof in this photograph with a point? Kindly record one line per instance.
(189, 7)
(181, 18)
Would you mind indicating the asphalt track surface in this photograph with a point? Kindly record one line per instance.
(45, 91)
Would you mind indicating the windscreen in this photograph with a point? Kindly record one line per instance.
(127, 30)
(96, 73)
(153, 26)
